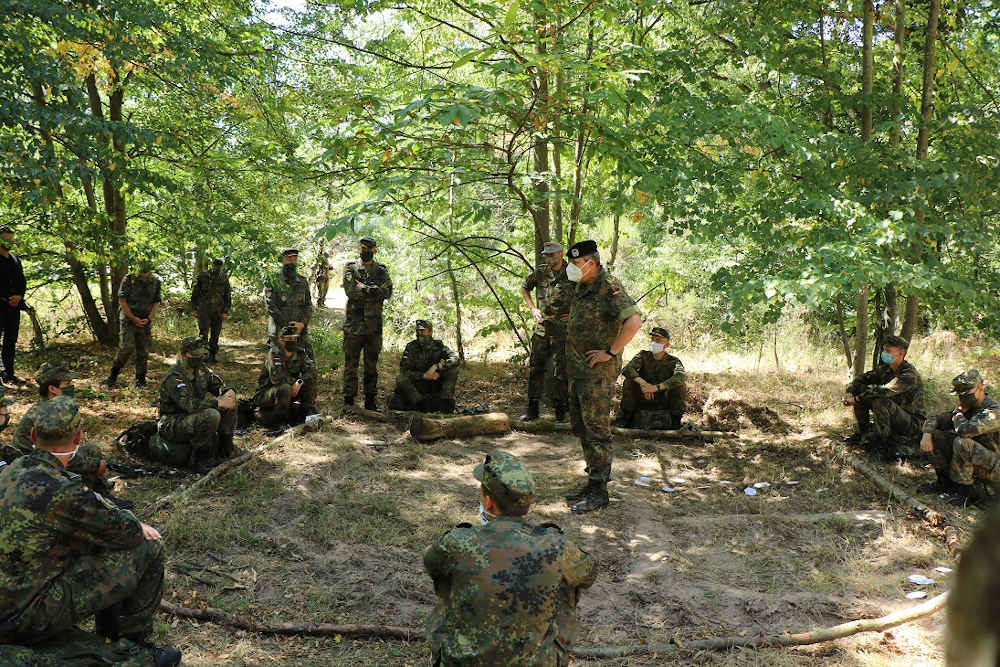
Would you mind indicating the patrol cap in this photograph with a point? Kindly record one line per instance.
(3, 400)
(53, 371)
(289, 331)
(966, 382)
(896, 341)
(290, 252)
(551, 248)
(56, 419)
(583, 248)
(218, 261)
(423, 324)
(506, 478)
(193, 345)
(145, 265)
(659, 331)
(367, 242)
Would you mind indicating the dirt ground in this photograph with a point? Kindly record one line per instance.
(331, 526)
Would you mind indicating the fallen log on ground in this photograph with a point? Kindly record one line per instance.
(426, 428)
(234, 463)
(546, 426)
(894, 491)
(840, 631)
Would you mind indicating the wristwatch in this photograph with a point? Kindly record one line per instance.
(610, 353)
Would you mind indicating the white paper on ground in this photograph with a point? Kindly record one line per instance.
(792, 482)
(942, 569)
(919, 580)
(677, 480)
(668, 489)
(761, 485)
(750, 491)
(916, 595)
(311, 418)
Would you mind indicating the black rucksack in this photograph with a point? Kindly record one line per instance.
(135, 439)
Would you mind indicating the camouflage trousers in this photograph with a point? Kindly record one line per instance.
(545, 351)
(180, 438)
(126, 583)
(76, 648)
(209, 328)
(353, 345)
(322, 287)
(590, 418)
(670, 399)
(134, 340)
(887, 421)
(409, 393)
(963, 459)
(276, 405)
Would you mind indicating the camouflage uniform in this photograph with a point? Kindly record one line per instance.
(288, 301)
(141, 294)
(507, 591)
(76, 648)
(274, 387)
(86, 463)
(363, 323)
(553, 294)
(212, 298)
(595, 318)
(668, 371)
(412, 390)
(190, 425)
(321, 276)
(66, 554)
(895, 400)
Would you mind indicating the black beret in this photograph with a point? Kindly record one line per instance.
(583, 248)
(659, 331)
(287, 252)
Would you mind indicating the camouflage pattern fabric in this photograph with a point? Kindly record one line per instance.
(212, 298)
(553, 294)
(507, 480)
(967, 446)
(66, 554)
(140, 294)
(590, 419)
(645, 365)
(189, 420)
(321, 276)
(288, 302)
(418, 356)
(904, 387)
(86, 463)
(670, 400)
(76, 648)
(354, 345)
(274, 385)
(507, 594)
(363, 314)
(547, 351)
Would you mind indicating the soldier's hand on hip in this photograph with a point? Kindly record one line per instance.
(536, 314)
(595, 357)
(151, 534)
(927, 443)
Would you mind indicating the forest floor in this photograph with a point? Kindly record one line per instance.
(331, 526)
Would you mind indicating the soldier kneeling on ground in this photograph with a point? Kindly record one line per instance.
(428, 371)
(654, 390)
(286, 388)
(196, 415)
(507, 590)
(68, 555)
(965, 443)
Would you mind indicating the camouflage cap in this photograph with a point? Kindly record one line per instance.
(659, 331)
(423, 324)
(506, 478)
(290, 252)
(896, 341)
(53, 371)
(551, 248)
(289, 331)
(583, 248)
(193, 345)
(5, 401)
(56, 419)
(966, 382)
(367, 242)
(218, 261)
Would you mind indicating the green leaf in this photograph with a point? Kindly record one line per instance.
(511, 15)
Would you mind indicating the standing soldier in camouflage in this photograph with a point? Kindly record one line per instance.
(367, 285)
(602, 320)
(550, 310)
(288, 301)
(321, 276)
(654, 382)
(286, 387)
(66, 554)
(507, 590)
(211, 299)
(196, 413)
(965, 443)
(428, 372)
(138, 301)
(893, 395)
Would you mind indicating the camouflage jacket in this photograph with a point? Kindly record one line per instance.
(22, 441)
(183, 392)
(418, 357)
(983, 425)
(287, 302)
(595, 317)
(279, 369)
(507, 593)
(363, 314)
(140, 293)
(48, 518)
(211, 293)
(905, 386)
(645, 365)
(553, 294)
(321, 269)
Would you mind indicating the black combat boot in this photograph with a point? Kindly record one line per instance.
(370, 403)
(532, 412)
(106, 622)
(581, 492)
(224, 448)
(942, 484)
(349, 401)
(428, 405)
(112, 379)
(561, 414)
(163, 656)
(960, 495)
(595, 500)
(675, 420)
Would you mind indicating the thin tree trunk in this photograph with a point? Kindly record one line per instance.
(582, 134)
(861, 337)
(899, 42)
(105, 285)
(456, 297)
(910, 317)
(861, 332)
(558, 109)
(105, 333)
(540, 205)
(842, 330)
(891, 310)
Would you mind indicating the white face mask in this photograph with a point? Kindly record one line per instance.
(655, 347)
(574, 272)
(66, 457)
(484, 516)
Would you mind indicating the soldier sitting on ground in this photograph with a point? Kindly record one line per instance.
(654, 385)
(286, 388)
(67, 555)
(507, 590)
(893, 394)
(196, 413)
(428, 371)
(965, 443)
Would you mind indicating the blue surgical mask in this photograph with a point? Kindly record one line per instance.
(885, 357)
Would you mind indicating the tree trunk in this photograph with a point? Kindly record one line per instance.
(582, 134)
(425, 428)
(899, 42)
(891, 310)
(910, 317)
(104, 332)
(842, 330)
(456, 297)
(861, 337)
(861, 332)
(540, 182)
(558, 109)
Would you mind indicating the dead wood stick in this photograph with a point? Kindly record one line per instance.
(893, 490)
(546, 426)
(234, 463)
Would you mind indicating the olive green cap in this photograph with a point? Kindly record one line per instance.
(367, 242)
(423, 324)
(193, 345)
(659, 331)
(56, 419)
(53, 371)
(505, 477)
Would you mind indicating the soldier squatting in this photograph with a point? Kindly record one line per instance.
(506, 589)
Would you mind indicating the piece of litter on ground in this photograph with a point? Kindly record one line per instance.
(750, 491)
(822, 489)
(677, 480)
(642, 481)
(725, 481)
(761, 485)
(311, 418)
(792, 482)
(702, 487)
(942, 569)
(919, 580)
(668, 489)
(643, 478)
(916, 595)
